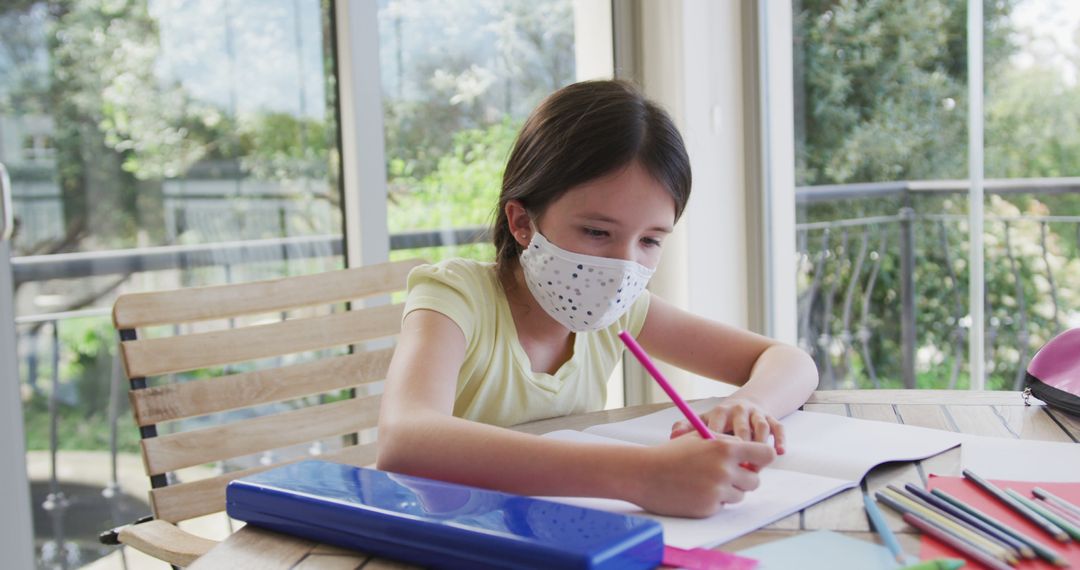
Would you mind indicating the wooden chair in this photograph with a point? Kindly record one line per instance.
(286, 334)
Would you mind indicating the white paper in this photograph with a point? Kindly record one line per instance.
(651, 429)
(823, 444)
(780, 494)
(825, 454)
(1021, 460)
(847, 448)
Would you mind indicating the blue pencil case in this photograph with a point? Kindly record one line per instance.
(439, 524)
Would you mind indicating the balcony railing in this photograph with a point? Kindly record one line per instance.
(915, 240)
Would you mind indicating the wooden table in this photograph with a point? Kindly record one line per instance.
(1000, 414)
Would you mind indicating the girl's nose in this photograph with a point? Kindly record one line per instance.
(625, 251)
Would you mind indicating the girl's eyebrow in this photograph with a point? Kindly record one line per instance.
(597, 217)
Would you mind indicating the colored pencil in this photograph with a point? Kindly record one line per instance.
(694, 419)
(938, 564)
(904, 505)
(1061, 523)
(942, 535)
(1058, 510)
(1048, 496)
(943, 505)
(877, 519)
(1037, 519)
(666, 386)
(1041, 550)
(957, 528)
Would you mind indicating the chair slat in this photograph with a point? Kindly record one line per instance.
(151, 357)
(211, 395)
(184, 501)
(176, 451)
(224, 301)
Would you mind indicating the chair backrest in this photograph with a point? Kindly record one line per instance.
(321, 325)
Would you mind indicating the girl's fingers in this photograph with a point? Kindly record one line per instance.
(679, 432)
(717, 420)
(756, 454)
(681, 428)
(740, 424)
(745, 480)
(761, 425)
(729, 494)
(778, 434)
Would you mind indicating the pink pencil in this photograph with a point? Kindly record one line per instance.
(693, 418)
(647, 362)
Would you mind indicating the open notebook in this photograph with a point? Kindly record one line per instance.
(825, 455)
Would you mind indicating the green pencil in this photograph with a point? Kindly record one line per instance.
(1048, 496)
(938, 564)
(1064, 524)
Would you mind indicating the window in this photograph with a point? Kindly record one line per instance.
(458, 80)
(881, 120)
(208, 128)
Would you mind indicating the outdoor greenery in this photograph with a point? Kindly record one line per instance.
(881, 95)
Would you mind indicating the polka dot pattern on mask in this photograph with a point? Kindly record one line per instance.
(582, 292)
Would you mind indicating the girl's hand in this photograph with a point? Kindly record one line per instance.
(694, 477)
(742, 418)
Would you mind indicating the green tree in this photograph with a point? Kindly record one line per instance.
(492, 63)
(881, 96)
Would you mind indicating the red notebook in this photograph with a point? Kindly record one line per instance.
(971, 494)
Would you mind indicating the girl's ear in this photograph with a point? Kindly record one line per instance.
(520, 222)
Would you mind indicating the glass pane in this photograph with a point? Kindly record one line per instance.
(1032, 211)
(152, 144)
(880, 100)
(458, 80)
(880, 126)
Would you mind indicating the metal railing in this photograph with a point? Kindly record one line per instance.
(842, 301)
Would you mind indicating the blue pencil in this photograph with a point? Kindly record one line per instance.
(878, 521)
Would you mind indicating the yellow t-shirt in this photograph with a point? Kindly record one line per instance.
(496, 384)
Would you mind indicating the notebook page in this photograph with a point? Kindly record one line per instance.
(847, 448)
(651, 429)
(823, 444)
(780, 494)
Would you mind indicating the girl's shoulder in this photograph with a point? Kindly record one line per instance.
(463, 275)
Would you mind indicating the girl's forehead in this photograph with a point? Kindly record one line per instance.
(627, 193)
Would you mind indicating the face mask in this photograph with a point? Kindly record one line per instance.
(583, 292)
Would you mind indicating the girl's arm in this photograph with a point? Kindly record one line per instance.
(418, 435)
(772, 376)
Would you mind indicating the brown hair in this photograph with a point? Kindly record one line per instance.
(580, 133)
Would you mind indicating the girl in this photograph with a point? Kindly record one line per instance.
(596, 180)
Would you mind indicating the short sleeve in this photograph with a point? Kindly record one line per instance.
(634, 319)
(445, 288)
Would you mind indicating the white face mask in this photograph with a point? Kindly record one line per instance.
(583, 292)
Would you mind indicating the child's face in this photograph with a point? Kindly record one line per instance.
(624, 215)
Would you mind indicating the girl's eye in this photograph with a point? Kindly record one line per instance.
(651, 242)
(593, 232)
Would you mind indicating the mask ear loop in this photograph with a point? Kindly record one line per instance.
(533, 226)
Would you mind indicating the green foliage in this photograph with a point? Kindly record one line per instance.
(880, 96)
(1029, 135)
(461, 191)
(87, 357)
(75, 429)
